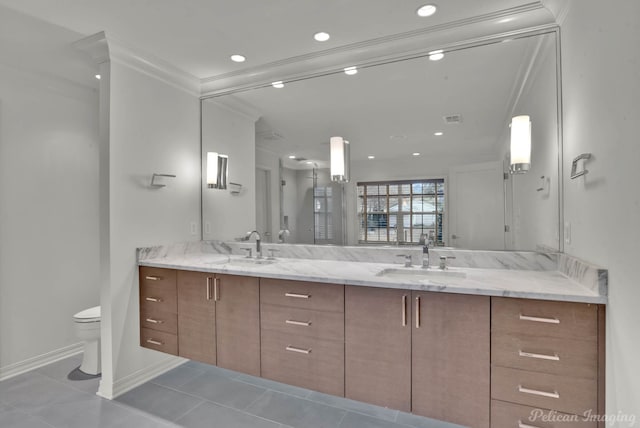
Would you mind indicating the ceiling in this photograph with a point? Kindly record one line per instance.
(393, 110)
(198, 36)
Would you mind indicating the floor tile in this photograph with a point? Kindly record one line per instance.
(222, 390)
(17, 419)
(178, 376)
(60, 371)
(33, 391)
(357, 420)
(203, 415)
(159, 401)
(274, 386)
(296, 412)
(210, 369)
(355, 406)
(422, 422)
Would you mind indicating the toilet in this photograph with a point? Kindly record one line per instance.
(87, 325)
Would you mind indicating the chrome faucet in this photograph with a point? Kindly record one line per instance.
(282, 235)
(258, 238)
(407, 259)
(425, 250)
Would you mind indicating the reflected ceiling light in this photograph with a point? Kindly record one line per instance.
(321, 36)
(505, 20)
(238, 58)
(520, 144)
(350, 71)
(98, 76)
(438, 134)
(426, 10)
(371, 157)
(415, 154)
(340, 158)
(292, 156)
(309, 162)
(436, 55)
(279, 84)
(217, 170)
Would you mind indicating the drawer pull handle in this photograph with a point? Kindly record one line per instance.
(539, 319)
(298, 296)
(153, 278)
(523, 425)
(553, 357)
(209, 287)
(553, 394)
(304, 323)
(404, 311)
(298, 350)
(216, 289)
(152, 321)
(418, 312)
(155, 342)
(153, 299)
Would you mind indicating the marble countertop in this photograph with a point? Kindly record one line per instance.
(531, 284)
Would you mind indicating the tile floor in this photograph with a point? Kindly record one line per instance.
(193, 395)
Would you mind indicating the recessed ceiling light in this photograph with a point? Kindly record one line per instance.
(292, 156)
(98, 76)
(279, 84)
(439, 133)
(426, 10)
(238, 58)
(350, 71)
(371, 157)
(436, 55)
(309, 162)
(321, 36)
(415, 154)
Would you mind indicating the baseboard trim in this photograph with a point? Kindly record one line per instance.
(135, 379)
(33, 363)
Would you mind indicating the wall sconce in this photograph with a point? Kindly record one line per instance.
(217, 170)
(340, 158)
(520, 144)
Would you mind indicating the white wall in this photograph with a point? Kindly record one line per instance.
(269, 161)
(153, 128)
(49, 262)
(290, 202)
(229, 132)
(601, 87)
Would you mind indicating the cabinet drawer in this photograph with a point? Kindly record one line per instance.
(562, 393)
(544, 318)
(160, 292)
(302, 322)
(566, 357)
(301, 294)
(508, 415)
(153, 318)
(301, 361)
(159, 341)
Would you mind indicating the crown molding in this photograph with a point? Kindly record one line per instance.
(237, 106)
(102, 48)
(529, 15)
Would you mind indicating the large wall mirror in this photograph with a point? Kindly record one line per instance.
(429, 142)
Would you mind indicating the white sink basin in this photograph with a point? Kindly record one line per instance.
(419, 273)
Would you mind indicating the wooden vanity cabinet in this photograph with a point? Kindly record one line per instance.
(218, 320)
(158, 310)
(378, 346)
(451, 358)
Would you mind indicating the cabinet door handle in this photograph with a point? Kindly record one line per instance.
(154, 321)
(153, 299)
(208, 288)
(155, 342)
(153, 278)
(304, 323)
(553, 394)
(523, 425)
(418, 312)
(298, 350)
(404, 310)
(216, 289)
(539, 319)
(298, 296)
(554, 357)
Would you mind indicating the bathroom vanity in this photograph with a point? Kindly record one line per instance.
(447, 345)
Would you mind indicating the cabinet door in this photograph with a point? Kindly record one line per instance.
(238, 323)
(378, 346)
(196, 317)
(451, 357)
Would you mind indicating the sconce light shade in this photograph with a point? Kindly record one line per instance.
(520, 144)
(340, 157)
(217, 170)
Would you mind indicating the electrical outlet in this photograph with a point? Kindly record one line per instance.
(194, 228)
(567, 232)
